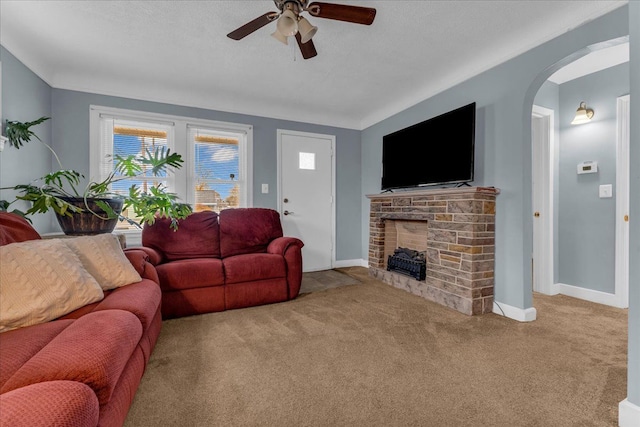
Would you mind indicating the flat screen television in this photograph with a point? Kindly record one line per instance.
(436, 151)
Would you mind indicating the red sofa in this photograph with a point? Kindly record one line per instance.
(215, 262)
(82, 369)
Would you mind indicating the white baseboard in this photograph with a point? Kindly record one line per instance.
(515, 313)
(351, 263)
(628, 414)
(589, 295)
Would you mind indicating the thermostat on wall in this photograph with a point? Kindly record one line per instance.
(589, 166)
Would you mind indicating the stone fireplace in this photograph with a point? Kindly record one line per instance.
(455, 227)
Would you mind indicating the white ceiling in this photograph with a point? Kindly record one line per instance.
(177, 52)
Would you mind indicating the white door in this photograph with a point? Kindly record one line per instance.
(306, 194)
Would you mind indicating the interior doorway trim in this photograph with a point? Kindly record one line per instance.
(622, 202)
(543, 155)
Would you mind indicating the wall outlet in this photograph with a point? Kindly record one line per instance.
(265, 188)
(606, 191)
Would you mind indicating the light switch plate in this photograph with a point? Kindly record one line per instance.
(606, 191)
(265, 188)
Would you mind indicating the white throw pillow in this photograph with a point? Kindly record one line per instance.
(41, 280)
(104, 258)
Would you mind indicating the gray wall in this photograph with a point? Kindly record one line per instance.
(25, 97)
(586, 223)
(633, 364)
(504, 96)
(70, 111)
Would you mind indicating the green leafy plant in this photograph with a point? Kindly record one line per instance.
(55, 190)
(18, 133)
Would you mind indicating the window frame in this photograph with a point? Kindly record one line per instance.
(184, 178)
(243, 135)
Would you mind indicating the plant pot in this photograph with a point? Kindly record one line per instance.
(86, 223)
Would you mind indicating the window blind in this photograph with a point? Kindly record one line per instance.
(218, 182)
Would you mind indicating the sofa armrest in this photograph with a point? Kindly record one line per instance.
(280, 245)
(155, 257)
(291, 249)
(50, 403)
(141, 261)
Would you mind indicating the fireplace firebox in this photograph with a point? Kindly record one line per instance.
(409, 262)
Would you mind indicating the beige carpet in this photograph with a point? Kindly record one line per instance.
(372, 355)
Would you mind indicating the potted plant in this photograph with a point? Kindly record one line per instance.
(96, 208)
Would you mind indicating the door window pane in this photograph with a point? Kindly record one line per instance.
(307, 161)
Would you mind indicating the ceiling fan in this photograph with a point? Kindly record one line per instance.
(290, 23)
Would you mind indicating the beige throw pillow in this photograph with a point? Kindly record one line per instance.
(104, 258)
(41, 280)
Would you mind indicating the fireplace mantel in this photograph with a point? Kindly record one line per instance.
(435, 192)
(459, 241)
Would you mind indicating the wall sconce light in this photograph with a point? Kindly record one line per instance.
(583, 114)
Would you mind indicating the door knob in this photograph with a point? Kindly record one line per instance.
(287, 213)
(626, 218)
(537, 214)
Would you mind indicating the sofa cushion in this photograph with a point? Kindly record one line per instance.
(103, 257)
(249, 294)
(190, 273)
(198, 236)
(59, 403)
(188, 302)
(93, 350)
(20, 345)
(14, 228)
(41, 280)
(142, 299)
(253, 267)
(248, 230)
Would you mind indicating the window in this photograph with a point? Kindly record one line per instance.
(126, 137)
(219, 182)
(216, 173)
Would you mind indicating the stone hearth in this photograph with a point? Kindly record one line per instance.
(456, 227)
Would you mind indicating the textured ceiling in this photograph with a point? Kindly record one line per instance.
(177, 52)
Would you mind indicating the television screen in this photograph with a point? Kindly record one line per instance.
(437, 151)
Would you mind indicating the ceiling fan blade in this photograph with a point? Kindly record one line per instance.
(308, 49)
(342, 12)
(252, 26)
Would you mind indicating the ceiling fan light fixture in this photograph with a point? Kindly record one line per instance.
(307, 31)
(288, 23)
(282, 39)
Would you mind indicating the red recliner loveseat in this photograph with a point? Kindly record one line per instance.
(215, 262)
